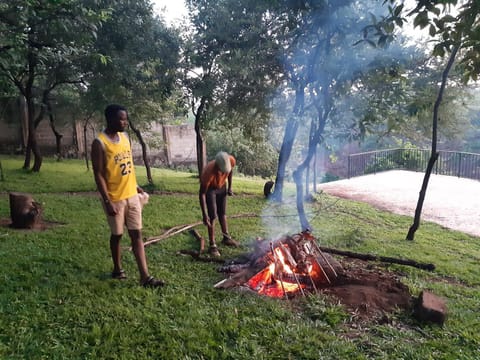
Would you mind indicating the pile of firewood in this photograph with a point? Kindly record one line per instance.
(297, 259)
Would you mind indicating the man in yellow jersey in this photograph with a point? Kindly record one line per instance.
(213, 197)
(114, 174)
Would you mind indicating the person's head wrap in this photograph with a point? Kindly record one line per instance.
(222, 159)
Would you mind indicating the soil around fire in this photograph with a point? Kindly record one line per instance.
(368, 291)
(42, 225)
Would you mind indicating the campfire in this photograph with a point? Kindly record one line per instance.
(283, 267)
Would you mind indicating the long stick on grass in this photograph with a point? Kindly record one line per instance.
(175, 230)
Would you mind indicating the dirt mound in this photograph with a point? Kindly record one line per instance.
(368, 291)
(40, 226)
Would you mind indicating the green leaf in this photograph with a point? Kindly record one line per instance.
(398, 10)
(439, 50)
(421, 20)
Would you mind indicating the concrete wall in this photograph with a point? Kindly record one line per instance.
(168, 145)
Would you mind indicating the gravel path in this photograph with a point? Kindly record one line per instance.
(450, 201)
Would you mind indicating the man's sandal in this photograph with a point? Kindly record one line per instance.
(119, 275)
(213, 250)
(228, 241)
(151, 282)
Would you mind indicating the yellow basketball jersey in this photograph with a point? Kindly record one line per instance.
(119, 169)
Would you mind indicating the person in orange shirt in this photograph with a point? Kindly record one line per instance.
(122, 198)
(215, 185)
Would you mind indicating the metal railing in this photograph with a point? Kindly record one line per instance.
(453, 163)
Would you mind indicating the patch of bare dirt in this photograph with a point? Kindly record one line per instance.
(42, 225)
(369, 292)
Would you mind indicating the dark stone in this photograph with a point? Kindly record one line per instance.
(430, 308)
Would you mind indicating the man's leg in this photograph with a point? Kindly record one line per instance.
(139, 252)
(116, 253)
(212, 214)
(222, 219)
(211, 232)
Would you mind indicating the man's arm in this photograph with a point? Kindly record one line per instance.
(98, 165)
(202, 196)
(229, 188)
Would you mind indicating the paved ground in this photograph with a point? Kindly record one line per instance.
(450, 201)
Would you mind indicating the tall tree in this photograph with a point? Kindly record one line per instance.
(231, 65)
(455, 29)
(37, 35)
(139, 68)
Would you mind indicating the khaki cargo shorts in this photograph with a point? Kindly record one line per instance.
(129, 214)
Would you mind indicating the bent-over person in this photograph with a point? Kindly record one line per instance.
(215, 185)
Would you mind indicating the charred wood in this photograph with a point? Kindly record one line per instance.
(370, 257)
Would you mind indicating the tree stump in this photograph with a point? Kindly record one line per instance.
(25, 213)
(267, 188)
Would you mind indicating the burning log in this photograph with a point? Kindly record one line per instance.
(283, 267)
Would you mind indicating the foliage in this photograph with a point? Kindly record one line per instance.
(328, 177)
(58, 301)
(42, 45)
(140, 63)
(254, 157)
(450, 23)
(231, 66)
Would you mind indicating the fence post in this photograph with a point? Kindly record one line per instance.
(348, 167)
(459, 164)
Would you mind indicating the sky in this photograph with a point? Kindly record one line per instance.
(173, 9)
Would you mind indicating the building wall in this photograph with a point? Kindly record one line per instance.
(168, 145)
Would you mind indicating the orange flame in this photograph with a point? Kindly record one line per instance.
(265, 282)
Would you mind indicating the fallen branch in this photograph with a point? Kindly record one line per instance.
(196, 255)
(170, 232)
(386, 259)
(181, 228)
(200, 239)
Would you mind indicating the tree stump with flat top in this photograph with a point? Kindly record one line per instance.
(25, 213)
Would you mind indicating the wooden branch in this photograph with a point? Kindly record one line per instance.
(391, 260)
(200, 239)
(181, 228)
(171, 232)
(196, 255)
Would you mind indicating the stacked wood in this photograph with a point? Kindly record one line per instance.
(299, 254)
(25, 213)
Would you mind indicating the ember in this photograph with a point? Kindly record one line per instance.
(283, 268)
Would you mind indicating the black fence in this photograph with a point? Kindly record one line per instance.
(453, 163)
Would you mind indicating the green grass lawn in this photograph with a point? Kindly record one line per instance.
(57, 300)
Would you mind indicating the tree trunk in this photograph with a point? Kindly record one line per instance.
(434, 154)
(287, 144)
(144, 152)
(32, 146)
(200, 143)
(23, 111)
(58, 136)
(25, 213)
(307, 181)
(85, 153)
(315, 158)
